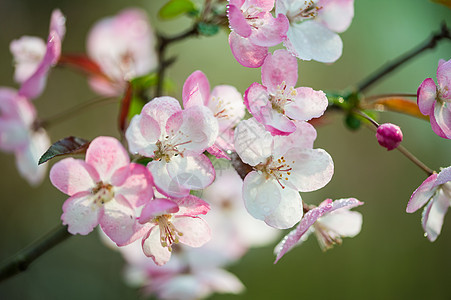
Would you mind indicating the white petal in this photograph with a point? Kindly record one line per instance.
(252, 142)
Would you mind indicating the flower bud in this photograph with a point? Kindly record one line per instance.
(389, 135)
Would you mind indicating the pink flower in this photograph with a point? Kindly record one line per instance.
(276, 103)
(171, 222)
(226, 104)
(124, 48)
(389, 135)
(104, 189)
(330, 220)
(34, 59)
(314, 24)
(283, 166)
(435, 100)
(20, 135)
(254, 29)
(437, 190)
(175, 139)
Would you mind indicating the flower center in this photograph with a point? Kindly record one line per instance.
(168, 149)
(307, 12)
(278, 169)
(282, 96)
(103, 192)
(327, 237)
(220, 110)
(251, 16)
(168, 233)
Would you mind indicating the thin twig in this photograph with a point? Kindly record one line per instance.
(379, 96)
(25, 257)
(430, 43)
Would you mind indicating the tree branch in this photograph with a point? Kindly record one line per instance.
(430, 43)
(20, 262)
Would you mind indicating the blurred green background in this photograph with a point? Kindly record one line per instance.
(389, 259)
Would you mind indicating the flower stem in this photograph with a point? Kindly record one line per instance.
(430, 43)
(20, 262)
(379, 96)
(400, 148)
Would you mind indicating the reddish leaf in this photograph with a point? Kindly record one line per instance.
(125, 107)
(397, 104)
(83, 63)
(66, 146)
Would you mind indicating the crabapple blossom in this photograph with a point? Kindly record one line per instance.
(124, 47)
(20, 135)
(254, 29)
(389, 136)
(171, 222)
(283, 167)
(276, 103)
(34, 59)
(436, 190)
(435, 100)
(224, 101)
(331, 221)
(175, 139)
(104, 189)
(314, 25)
(234, 231)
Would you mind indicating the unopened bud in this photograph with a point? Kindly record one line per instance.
(389, 135)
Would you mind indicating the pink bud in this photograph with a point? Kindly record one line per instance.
(389, 135)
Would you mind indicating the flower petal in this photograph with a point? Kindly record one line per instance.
(336, 14)
(71, 176)
(288, 212)
(191, 206)
(422, 194)
(272, 31)
(279, 67)
(303, 137)
(196, 231)
(442, 116)
(80, 213)
(252, 142)
(191, 172)
(152, 248)
(426, 96)
(237, 21)
(106, 155)
(434, 214)
(196, 90)
(138, 186)
(307, 104)
(164, 182)
(245, 52)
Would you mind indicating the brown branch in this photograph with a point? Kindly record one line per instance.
(21, 261)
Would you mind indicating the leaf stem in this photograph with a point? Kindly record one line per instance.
(20, 262)
(430, 43)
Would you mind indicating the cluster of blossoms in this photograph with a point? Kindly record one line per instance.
(167, 193)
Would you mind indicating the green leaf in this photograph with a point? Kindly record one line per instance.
(352, 122)
(207, 29)
(66, 146)
(175, 8)
(135, 107)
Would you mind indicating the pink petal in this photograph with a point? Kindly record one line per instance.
(336, 14)
(311, 168)
(80, 213)
(157, 207)
(273, 31)
(191, 172)
(444, 79)
(261, 197)
(303, 137)
(279, 67)
(434, 214)
(444, 176)
(72, 176)
(436, 127)
(307, 104)
(118, 220)
(138, 186)
(288, 212)
(245, 52)
(275, 122)
(34, 85)
(28, 157)
(238, 22)
(152, 247)
(164, 183)
(196, 90)
(28, 52)
(308, 220)
(14, 135)
(191, 206)
(312, 40)
(344, 222)
(139, 126)
(426, 95)
(252, 142)
(196, 231)
(58, 23)
(217, 152)
(264, 5)
(422, 194)
(442, 117)
(106, 155)
(227, 105)
(256, 97)
(161, 108)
